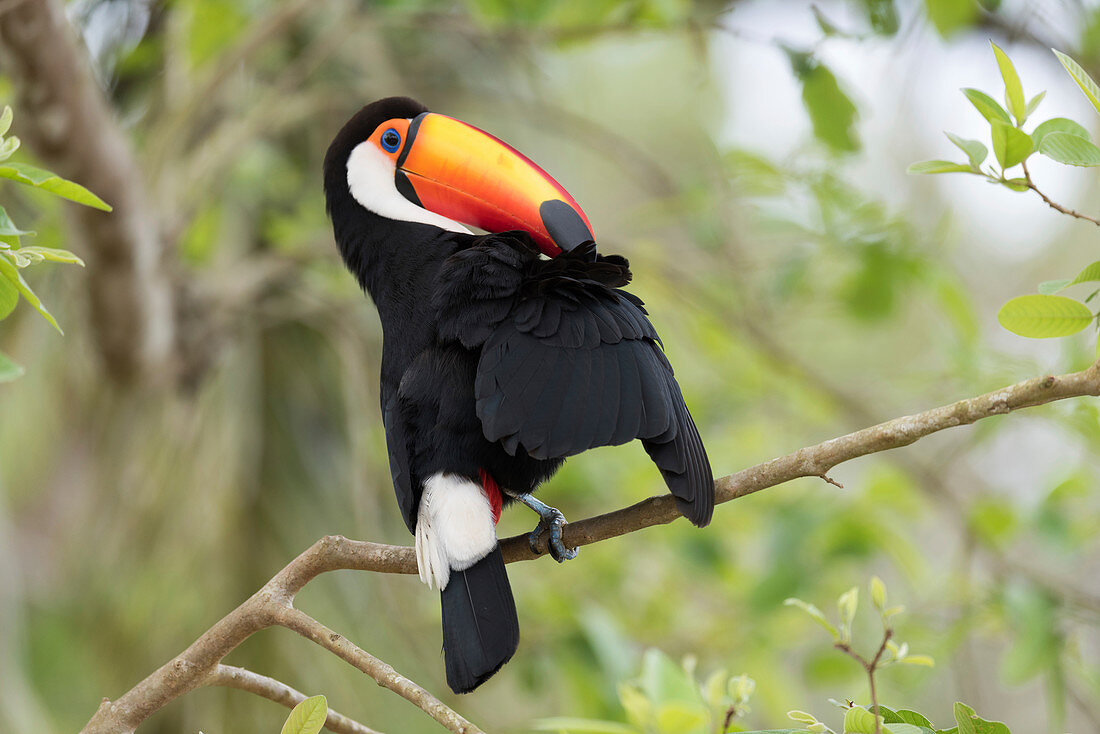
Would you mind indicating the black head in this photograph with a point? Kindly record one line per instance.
(356, 130)
(396, 173)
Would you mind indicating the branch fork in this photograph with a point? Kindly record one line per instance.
(273, 605)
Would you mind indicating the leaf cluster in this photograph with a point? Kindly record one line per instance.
(13, 256)
(1043, 315)
(847, 606)
(860, 720)
(876, 718)
(666, 698)
(1059, 138)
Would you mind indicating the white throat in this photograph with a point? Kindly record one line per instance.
(370, 179)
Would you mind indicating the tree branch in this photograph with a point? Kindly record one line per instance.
(273, 604)
(229, 676)
(1052, 204)
(383, 674)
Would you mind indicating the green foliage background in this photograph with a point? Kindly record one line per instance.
(796, 299)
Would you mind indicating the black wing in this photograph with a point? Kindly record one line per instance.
(397, 445)
(568, 361)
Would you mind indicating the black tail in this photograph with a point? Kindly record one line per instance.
(480, 628)
(680, 456)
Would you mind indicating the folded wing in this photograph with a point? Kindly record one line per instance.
(568, 361)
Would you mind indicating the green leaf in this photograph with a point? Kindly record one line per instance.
(815, 614)
(970, 723)
(878, 593)
(974, 150)
(923, 660)
(1070, 150)
(637, 706)
(882, 15)
(9, 270)
(887, 714)
(1016, 184)
(42, 179)
(846, 605)
(9, 370)
(1057, 125)
(986, 105)
(938, 167)
(307, 717)
(1033, 104)
(964, 718)
(950, 16)
(677, 717)
(8, 228)
(8, 147)
(1014, 92)
(664, 681)
(858, 720)
(1084, 81)
(583, 726)
(1011, 145)
(741, 688)
(903, 728)
(1090, 273)
(1050, 287)
(5, 120)
(1043, 317)
(831, 111)
(912, 717)
(827, 27)
(714, 690)
(9, 297)
(38, 254)
(801, 717)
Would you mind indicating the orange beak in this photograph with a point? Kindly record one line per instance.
(467, 175)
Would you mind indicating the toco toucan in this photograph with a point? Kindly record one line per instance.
(502, 353)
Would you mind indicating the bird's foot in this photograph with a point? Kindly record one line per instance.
(550, 519)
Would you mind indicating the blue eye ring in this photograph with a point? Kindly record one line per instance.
(391, 140)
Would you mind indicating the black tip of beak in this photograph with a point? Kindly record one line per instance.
(564, 225)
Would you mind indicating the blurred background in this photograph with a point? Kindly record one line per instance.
(213, 408)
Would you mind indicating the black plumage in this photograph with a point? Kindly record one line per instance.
(497, 360)
(480, 627)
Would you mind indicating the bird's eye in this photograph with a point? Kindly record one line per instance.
(391, 139)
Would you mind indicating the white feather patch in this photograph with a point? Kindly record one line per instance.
(371, 182)
(454, 528)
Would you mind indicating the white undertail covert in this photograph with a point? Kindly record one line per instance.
(454, 528)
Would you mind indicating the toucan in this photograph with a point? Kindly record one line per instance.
(504, 351)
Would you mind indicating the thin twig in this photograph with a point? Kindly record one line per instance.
(870, 666)
(383, 674)
(230, 676)
(1054, 205)
(272, 604)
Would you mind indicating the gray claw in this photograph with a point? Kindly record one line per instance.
(550, 518)
(553, 522)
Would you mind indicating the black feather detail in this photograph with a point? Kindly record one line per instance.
(574, 363)
(684, 465)
(480, 627)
